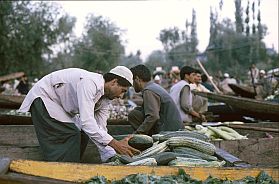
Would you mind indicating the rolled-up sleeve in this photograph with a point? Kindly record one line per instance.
(185, 104)
(86, 92)
(151, 102)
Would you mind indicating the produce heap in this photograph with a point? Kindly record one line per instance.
(118, 110)
(177, 148)
(218, 133)
(182, 177)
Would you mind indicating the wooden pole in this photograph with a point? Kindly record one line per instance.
(255, 128)
(205, 72)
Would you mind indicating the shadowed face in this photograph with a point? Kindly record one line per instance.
(197, 78)
(137, 85)
(191, 77)
(115, 90)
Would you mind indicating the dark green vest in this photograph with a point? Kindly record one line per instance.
(170, 119)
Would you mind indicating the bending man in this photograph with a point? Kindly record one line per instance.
(70, 105)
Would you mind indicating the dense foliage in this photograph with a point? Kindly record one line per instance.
(100, 47)
(28, 30)
(233, 45)
(36, 37)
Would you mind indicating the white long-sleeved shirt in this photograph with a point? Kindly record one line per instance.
(75, 96)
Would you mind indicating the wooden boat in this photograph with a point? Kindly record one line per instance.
(8, 119)
(20, 142)
(260, 148)
(74, 172)
(11, 101)
(11, 76)
(249, 107)
(243, 91)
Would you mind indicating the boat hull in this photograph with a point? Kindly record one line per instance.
(82, 172)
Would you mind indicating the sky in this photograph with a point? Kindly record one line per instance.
(142, 21)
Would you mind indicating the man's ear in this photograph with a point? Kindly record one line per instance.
(114, 81)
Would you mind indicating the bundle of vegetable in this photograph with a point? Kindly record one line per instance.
(17, 113)
(146, 161)
(194, 143)
(192, 162)
(176, 151)
(222, 132)
(155, 149)
(118, 112)
(227, 133)
(163, 136)
(118, 109)
(195, 153)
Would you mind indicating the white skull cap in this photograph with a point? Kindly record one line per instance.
(157, 77)
(123, 72)
(226, 75)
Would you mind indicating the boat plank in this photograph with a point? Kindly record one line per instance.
(83, 172)
(8, 119)
(246, 104)
(15, 178)
(243, 91)
(11, 76)
(25, 134)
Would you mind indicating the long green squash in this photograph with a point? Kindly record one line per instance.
(194, 143)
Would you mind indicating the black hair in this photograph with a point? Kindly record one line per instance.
(198, 71)
(204, 78)
(120, 80)
(142, 72)
(186, 70)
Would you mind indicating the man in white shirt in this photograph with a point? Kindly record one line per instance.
(182, 96)
(224, 84)
(71, 105)
(200, 104)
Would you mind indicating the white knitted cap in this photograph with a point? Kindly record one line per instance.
(123, 72)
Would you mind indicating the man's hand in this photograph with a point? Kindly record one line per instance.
(122, 147)
(203, 118)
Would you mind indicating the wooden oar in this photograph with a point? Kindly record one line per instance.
(209, 78)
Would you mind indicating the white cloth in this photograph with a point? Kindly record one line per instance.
(199, 87)
(175, 92)
(74, 96)
(225, 85)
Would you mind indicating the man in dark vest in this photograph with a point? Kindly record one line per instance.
(158, 111)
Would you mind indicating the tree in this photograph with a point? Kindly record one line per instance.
(155, 59)
(181, 45)
(100, 47)
(247, 19)
(238, 16)
(170, 38)
(28, 31)
(194, 40)
(131, 60)
(233, 51)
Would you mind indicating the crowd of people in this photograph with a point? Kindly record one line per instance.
(69, 110)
